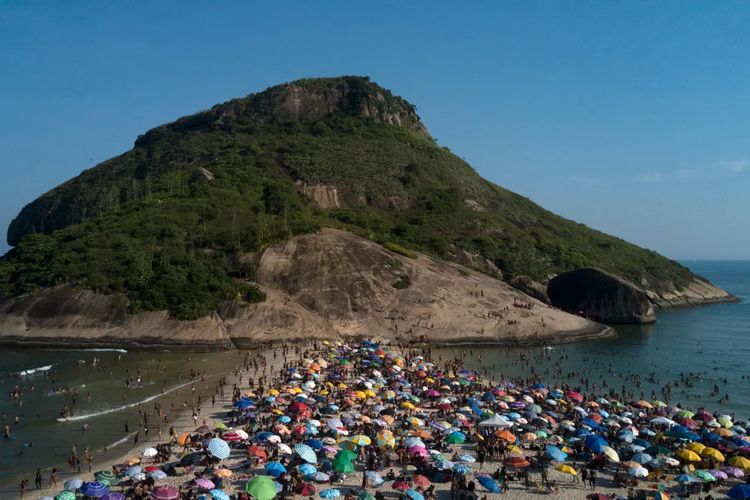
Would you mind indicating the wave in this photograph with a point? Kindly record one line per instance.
(85, 416)
(31, 371)
(120, 441)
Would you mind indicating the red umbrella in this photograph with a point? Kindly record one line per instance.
(231, 436)
(152, 468)
(575, 396)
(516, 461)
(257, 451)
(308, 490)
(401, 485)
(421, 480)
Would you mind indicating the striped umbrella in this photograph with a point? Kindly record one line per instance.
(205, 484)
(218, 448)
(94, 489)
(306, 453)
(106, 477)
(165, 493)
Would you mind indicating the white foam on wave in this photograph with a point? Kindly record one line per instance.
(85, 416)
(31, 371)
(121, 441)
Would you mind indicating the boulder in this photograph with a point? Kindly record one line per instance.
(600, 296)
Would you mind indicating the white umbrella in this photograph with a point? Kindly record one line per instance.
(149, 452)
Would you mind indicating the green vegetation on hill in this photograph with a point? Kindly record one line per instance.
(148, 224)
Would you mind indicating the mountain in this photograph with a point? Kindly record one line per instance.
(168, 225)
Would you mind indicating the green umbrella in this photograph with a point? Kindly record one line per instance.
(345, 455)
(106, 477)
(704, 475)
(455, 438)
(365, 495)
(261, 488)
(343, 464)
(65, 495)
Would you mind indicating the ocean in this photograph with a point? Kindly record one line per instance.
(709, 345)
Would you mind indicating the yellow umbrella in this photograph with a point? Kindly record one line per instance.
(741, 462)
(712, 453)
(273, 392)
(567, 469)
(696, 447)
(408, 405)
(386, 440)
(514, 449)
(361, 440)
(611, 454)
(688, 455)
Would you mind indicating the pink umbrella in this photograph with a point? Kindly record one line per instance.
(231, 436)
(165, 493)
(205, 484)
(417, 450)
(401, 485)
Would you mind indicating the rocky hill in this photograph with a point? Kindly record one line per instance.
(164, 226)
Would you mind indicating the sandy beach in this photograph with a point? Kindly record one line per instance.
(283, 378)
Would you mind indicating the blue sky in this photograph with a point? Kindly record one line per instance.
(631, 117)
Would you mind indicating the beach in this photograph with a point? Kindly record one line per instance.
(418, 413)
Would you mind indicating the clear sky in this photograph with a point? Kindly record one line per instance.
(631, 117)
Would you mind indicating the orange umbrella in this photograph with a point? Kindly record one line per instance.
(257, 451)
(184, 438)
(506, 435)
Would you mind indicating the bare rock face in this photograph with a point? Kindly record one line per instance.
(329, 284)
(326, 196)
(600, 296)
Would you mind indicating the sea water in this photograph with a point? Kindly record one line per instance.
(712, 342)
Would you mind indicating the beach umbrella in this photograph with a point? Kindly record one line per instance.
(94, 489)
(400, 485)
(114, 495)
(330, 493)
(414, 495)
(611, 454)
(733, 471)
(149, 452)
(688, 455)
(566, 469)
(307, 469)
(556, 453)
(686, 478)
(132, 471)
(385, 439)
(157, 474)
(642, 458)
(218, 494)
(321, 477)
(306, 453)
(456, 438)
(365, 495)
(638, 472)
(218, 448)
(421, 481)
(275, 469)
(261, 488)
(658, 495)
(343, 464)
(467, 459)
(106, 477)
(308, 490)
(741, 462)
(739, 492)
(489, 483)
(516, 461)
(461, 468)
(165, 493)
(373, 477)
(704, 476)
(718, 474)
(65, 495)
(595, 443)
(73, 484)
(712, 453)
(205, 484)
(360, 440)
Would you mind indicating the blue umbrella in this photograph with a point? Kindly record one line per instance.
(642, 458)
(595, 443)
(218, 448)
(739, 492)
(306, 453)
(263, 436)
(444, 464)
(219, 495)
(330, 493)
(158, 474)
(461, 468)
(284, 419)
(307, 469)
(686, 478)
(315, 444)
(414, 495)
(489, 483)
(321, 477)
(94, 489)
(556, 453)
(275, 469)
(132, 471)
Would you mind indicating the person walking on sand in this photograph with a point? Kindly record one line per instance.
(53, 477)
(38, 479)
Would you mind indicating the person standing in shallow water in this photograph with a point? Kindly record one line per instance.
(38, 479)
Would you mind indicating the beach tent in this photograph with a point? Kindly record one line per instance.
(494, 422)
